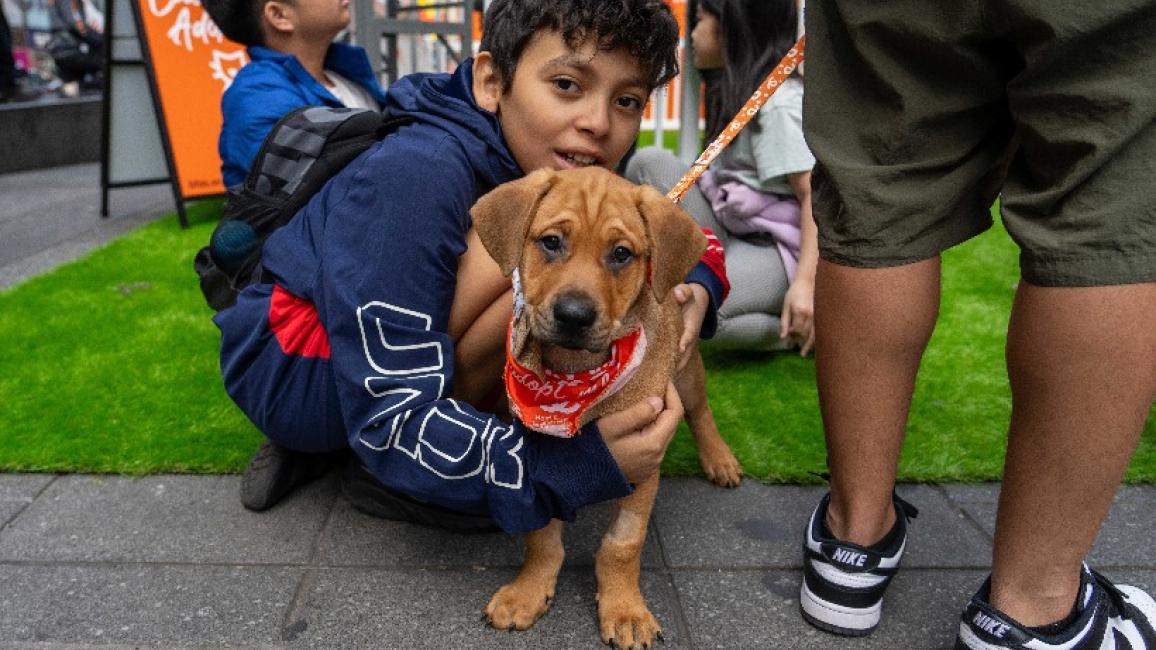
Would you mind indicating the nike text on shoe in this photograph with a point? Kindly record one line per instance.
(843, 583)
(1109, 617)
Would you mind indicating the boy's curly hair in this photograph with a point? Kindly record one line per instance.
(644, 28)
(239, 20)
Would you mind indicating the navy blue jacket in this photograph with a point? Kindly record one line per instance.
(376, 252)
(268, 88)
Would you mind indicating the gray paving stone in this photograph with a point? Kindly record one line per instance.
(29, 645)
(760, 609)
(1125, 539)
(17, 491)
(353, 538)
(1144, 578)
(164, 519)
(701, 525)
(942, 535)
(134, 603)
(972, 492)
(758, 525)
(442, 609)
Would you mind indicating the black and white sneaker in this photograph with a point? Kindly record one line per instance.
(1109, 617)
(843, 583)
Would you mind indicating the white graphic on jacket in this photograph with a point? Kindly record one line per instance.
(451, 443)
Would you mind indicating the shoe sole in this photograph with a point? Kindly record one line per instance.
(836, 619)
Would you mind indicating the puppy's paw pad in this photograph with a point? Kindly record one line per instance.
(516, 607)
(629, 628)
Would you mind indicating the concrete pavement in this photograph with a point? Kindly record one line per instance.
(51, 216)
(175, 561)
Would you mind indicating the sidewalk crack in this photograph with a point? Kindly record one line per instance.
(20, 511)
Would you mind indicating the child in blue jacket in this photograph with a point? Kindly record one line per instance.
(384, 323)
(293, 62)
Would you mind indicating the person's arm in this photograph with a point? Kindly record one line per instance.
(779, 150)
(389, 261)
(71, 15)
(253, 104)
(798, 317)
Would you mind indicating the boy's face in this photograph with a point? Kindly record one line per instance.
(565, 108)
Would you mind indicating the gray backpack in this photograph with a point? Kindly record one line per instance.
(299, 155)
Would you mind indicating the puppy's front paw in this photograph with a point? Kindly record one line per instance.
(627, 624)
(517, 605)
(720, 465)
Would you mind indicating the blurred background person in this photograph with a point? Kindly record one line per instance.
(756, 197)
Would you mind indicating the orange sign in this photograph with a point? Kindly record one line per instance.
(192, 63)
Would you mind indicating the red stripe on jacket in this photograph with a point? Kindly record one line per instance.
(295, 323)
(715, 259)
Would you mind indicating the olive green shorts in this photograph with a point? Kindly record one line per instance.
(920, 114)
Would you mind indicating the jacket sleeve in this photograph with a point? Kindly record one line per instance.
(249, 109)
(395, 227)
(711, 273)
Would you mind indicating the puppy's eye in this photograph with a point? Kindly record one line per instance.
(550, 243)
(621, 255)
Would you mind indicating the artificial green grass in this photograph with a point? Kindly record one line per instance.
(767, 405)
(109, 364)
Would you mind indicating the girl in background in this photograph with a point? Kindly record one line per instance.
(757, 194)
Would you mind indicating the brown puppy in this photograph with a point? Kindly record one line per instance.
(596, 258)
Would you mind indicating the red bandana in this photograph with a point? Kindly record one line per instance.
(554, 402)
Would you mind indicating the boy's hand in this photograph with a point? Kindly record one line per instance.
(637, 436)
(798, 320)
(694, 302)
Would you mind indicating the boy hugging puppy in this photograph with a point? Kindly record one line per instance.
(293, 63)
(383, 329)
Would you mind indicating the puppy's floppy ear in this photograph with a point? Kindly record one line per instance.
(503, 216)
(676, 241)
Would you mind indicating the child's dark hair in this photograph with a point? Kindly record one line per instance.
(644, 28)
(756, 35)
(239, 20)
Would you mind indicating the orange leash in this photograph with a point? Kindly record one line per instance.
(772, 83)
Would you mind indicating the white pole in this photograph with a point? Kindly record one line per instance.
(658, 110)
(689, 139)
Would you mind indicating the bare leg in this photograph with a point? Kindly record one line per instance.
(872, 326)
(1082, 364)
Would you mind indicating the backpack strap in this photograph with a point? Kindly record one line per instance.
(306, 148)
(302, 151)
(298, 140)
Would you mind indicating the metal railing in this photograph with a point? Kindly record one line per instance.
(383, 35)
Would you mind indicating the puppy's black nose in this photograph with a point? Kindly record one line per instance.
(574, 312)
